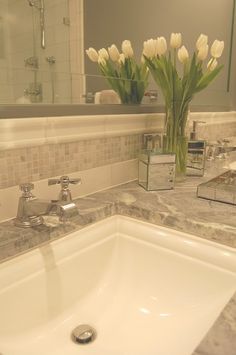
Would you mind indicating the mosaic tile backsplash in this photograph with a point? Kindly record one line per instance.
(217, 131)
(42, 162)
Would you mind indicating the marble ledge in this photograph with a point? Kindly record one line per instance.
(179, 209)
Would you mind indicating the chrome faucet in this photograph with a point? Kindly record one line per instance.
(31, 209)
(64, 181)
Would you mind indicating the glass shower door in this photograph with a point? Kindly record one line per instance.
(37, 33)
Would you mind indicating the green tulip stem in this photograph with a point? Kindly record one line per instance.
(175, 56)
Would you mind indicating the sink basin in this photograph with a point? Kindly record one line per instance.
(146, 289)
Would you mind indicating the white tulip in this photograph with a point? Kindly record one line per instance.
(175, 40)
(212, 64)
(183, 54)
(114, 53)
(161, 45)
(127, 49)
(101, 60)
(103, 54)
(203, 52)
(201, 41)
(217, 48)
(92, 54)
(122, 58)
(150, 48)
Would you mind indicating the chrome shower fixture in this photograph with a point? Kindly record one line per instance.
(33, 63)
(35, 3)
(51, 60)
(39, 4)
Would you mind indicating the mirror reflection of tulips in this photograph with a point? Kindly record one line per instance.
(124, 75)
(180, 76)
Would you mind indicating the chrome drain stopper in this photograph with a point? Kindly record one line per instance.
(83, 334)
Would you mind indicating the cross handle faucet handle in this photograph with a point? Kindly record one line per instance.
(64, 181)
(75, 181)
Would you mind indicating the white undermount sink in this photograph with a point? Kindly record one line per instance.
(147, 290)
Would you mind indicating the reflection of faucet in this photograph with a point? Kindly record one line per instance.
(34, 92)
(51, 59)
(220, 149)
(152, 95)
(193, 134)
(31, 209)
(32, 62)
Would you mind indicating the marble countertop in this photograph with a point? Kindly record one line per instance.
(179, 209)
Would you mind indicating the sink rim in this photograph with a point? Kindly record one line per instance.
(218, 255)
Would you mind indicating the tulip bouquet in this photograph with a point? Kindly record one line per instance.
(127, 78)
(179, 88)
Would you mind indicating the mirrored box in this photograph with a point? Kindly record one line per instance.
(221, 188)
(156, 170)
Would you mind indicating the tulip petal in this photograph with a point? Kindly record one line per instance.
(175, 40)
(217, 48)
(201, 41)
(183, 54)
(92, 54)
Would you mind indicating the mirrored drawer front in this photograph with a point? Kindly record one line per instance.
(222, 188)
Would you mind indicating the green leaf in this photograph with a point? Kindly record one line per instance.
(208, 78)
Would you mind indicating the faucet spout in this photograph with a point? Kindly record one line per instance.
(67, 210)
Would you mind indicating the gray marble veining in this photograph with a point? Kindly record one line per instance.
(221, 338)
(179, 209)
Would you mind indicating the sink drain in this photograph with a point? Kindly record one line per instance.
(83, 334)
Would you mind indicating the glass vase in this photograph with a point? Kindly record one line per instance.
(175, 138)
(131, 92)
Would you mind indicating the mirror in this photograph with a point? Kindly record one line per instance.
(152, 18)
(42, 59)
